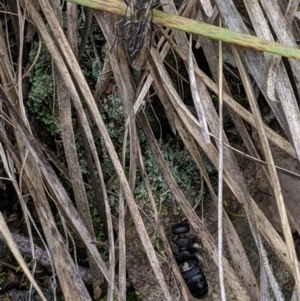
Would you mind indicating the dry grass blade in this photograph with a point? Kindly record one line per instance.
(206, 5)
(194, 220)
(239, 257)
(283, 84)
(210, 54)
(121, 233)
(237, 108)
(71, 282)
(272, 78)
(9, 168)
(239, 189)
(104, 78)
(270, 278)
(255, 62)
(182, 286)
(63, 259)
(291, 10)
(125, 85)
(57, 252)
(263, 163)
(90, 139)
(220, 171)
(196, 98)
(272, 170)
(189, 123)
(285, 36)
(264, 287)
(78, 76)
(14, 249)
(68, 138)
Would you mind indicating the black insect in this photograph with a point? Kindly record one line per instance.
(188, 262)
(137, 32)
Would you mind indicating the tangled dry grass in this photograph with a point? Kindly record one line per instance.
(27, 167)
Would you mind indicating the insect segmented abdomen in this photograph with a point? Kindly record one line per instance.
(194, 278)
(188, 263)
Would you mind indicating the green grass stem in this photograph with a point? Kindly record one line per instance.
(198, 28)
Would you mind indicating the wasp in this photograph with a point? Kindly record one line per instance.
(137, 32)
(188, 263)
